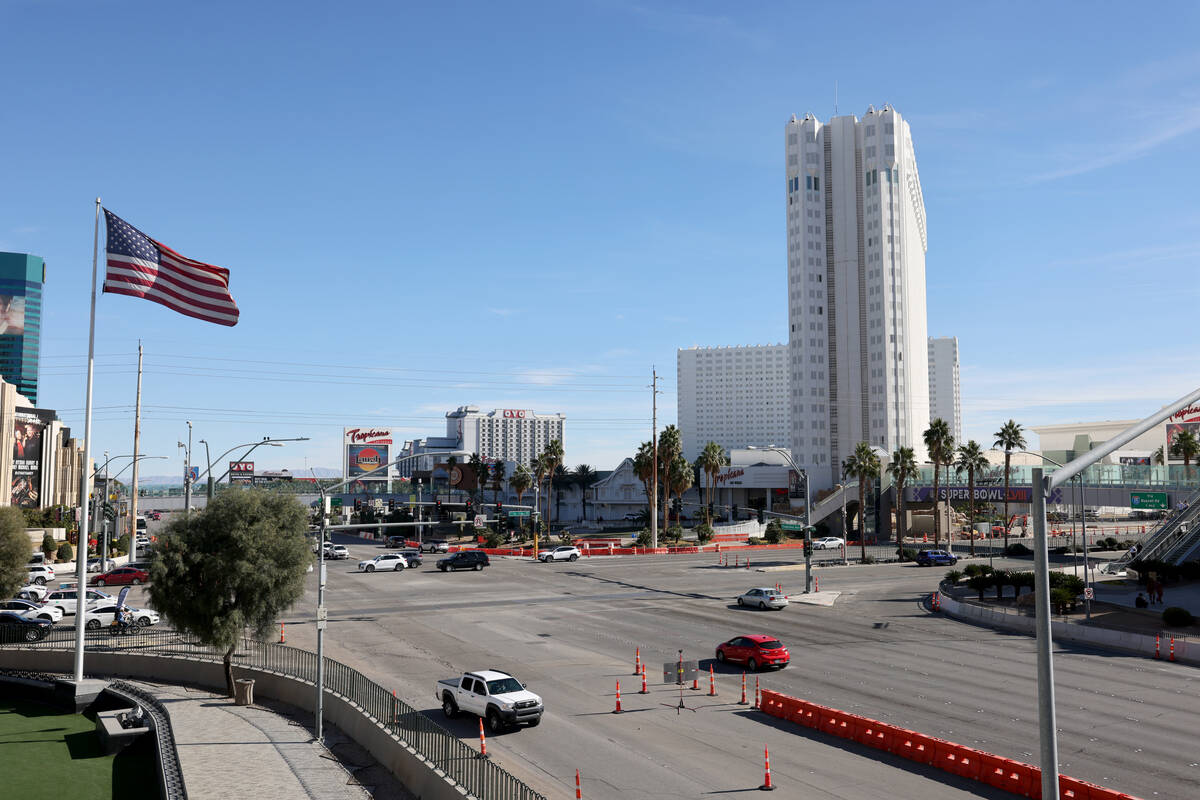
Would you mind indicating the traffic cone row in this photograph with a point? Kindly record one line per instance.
(644, 689)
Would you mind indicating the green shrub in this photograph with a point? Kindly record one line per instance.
(953, 576)
(774, 533)
(1060, 599)
(121, 546)
(971, 570)
(1018, 549)
(980, 583)
(643, 538)
(906, 553)
(490, 538)
(756, 540)
(1176, 617)
(65, 552)
(49, 546)
(704, 533)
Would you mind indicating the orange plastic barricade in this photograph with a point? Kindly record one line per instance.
(1004, 773)
(957, 759)
(1072, 789)
(774, 704)
(913, 746)
(875, 734)
(806, 714)
(834, 722)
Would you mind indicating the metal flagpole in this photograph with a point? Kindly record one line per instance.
(137, 435)
(82, 543)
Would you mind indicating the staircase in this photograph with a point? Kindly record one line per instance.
(1175, 539)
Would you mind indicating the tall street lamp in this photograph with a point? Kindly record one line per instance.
(807, 512)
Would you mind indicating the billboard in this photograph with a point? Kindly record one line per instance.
(12, 315)
(983, 494)
(241, 472)
(29, 429)
(367, 449)
(1173, 430)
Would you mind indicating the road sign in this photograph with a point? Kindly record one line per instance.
(1089, 593)
(791, 526)
(1149, 500)
(519, 513)
(336, 501)
(481, 520)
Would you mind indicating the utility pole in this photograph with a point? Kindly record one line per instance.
(187, 474)
(137, 437)
(807, 536)
(654, 445)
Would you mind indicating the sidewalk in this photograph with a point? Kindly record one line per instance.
(230, 752)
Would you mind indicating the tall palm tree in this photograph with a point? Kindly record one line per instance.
(971, 460)
(560, 478)
(902, 468)
(1157, 457)
(479, 470)
(1187, 447)
(1011, 436)
(863, 464)
(643, 467)
(554, 457)
(670, 445)
(451, 463)
(521, 481)
(940, 444)
(584, 476)
(682, 479)
(497, 479)
(712, 459)
(541, 468)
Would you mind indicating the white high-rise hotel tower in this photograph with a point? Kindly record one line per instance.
(856, 290)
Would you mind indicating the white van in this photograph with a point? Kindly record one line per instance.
(140, 525)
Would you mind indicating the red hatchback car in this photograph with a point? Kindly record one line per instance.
(756, 650)
(121, 575)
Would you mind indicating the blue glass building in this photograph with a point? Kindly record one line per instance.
(21, 279)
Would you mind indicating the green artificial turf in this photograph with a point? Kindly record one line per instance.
(45, 753)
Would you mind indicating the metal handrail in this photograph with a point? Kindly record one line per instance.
(446, 752)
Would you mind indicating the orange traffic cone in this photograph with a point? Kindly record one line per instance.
(767, 786)
(482, 741)
(742, 702)
(712, 682)
(282, 637)
(578, 792)
(644, 689)
(1157, 643)
(617, 710)
(637, 662)
(756, 695)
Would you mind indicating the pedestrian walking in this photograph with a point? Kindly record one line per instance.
(1158, 591)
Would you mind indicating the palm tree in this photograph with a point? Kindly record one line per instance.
(971, 460)
(541, 468)
(863, 464)
(1011, 436)
(521, 481)
(554, 457)
(497, 479)
(560, 478)
(902, 468)
(451, 463)
(712, 459)
(940, 445)
(479, 470)
(584, 476)
(682, 479)
(1157, 457)
(643, 467)
(1187, 447)
(670, 445)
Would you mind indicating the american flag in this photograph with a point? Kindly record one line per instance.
(141, 267)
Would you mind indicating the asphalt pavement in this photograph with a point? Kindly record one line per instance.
(570, 631)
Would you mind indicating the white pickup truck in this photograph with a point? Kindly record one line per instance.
(496, 696)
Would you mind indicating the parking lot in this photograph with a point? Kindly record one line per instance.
(570, 631)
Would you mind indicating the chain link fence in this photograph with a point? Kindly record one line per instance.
(446, 752)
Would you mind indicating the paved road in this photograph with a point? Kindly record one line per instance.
(570, 630)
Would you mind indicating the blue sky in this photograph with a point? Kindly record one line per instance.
(531, 204)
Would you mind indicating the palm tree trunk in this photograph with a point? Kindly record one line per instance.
(1007, 460)
(228, 661)
(900, 520)
(862, 518)
(937, 515)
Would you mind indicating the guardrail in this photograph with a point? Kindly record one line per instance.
(479, 777)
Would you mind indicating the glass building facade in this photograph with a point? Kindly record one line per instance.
(21, 280)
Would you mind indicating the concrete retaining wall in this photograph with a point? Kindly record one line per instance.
(1139, 644)
(419, 776)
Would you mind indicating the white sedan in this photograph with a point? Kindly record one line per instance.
(32, 593)
(30, 610)
(764, 597)
(102, 615)
(828, 543)
(383, 561)
(566, 553)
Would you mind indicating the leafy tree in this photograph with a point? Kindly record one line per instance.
(560, 479)
(1011, 436)
(1001, 578)
(479, 470)
(774, 532)
(970, 460)
(64, 552)
(15, 550)
(643, 467)
(712, 458)
(940, 444)
(902, 468)
(670, 445)
(497, 479)
(863, 465)
(451, 463)
(521, 481)
(553, 455)
(585, 476)
(49, 546)
(704, 533)
(123, 545)
(236, 565)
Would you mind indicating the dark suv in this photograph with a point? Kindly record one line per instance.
(464, 559)
(412, 555)
(929, 558)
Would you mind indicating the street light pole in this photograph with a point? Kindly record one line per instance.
(208, 472)
(807, 514)
(187, 473)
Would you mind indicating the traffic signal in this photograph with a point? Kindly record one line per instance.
(438, 505)
(391, 505)
(470, 506)
(357, 504)
(808, 548)
(499, 507)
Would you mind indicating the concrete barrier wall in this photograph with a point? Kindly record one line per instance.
(1137, 643)
(419, 776)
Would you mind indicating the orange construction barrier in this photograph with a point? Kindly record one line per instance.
(767, 787)
(875, 734)
(1004, 773)
(913, 746)
(957, 759)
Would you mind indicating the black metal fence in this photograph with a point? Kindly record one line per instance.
(446, 752)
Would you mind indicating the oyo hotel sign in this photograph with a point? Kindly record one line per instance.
(515, 413)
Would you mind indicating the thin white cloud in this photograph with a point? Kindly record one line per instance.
(1183, 125)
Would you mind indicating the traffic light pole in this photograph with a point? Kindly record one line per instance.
(807, 536)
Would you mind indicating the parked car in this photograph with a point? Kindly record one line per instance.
(764, 597)
(66, 599)
(32, 610)
(930, 558)
(336, 552)
(755, 650)
(383, 561)
(154, 515)
(1112, 568)
(121, 576)
(566, 553)
(496, 696)
(103, 614)
(435, 546)
(464, 559)
(94, 565)
(33, 593)
(41, 574)
(413, 556)
(395, 541)
(15, 628)
(828, 543)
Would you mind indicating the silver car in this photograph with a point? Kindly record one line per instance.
(384, 561)
(565, 553)
(828, 543)
(764, 597)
